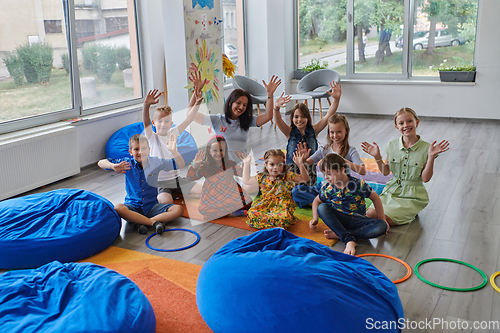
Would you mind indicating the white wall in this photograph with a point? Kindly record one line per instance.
(269, 31)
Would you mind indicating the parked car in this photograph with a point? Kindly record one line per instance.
(417, 34)
(443, 38)
(231, 52)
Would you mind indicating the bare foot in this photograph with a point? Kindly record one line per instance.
(330, 234)
(350, 248)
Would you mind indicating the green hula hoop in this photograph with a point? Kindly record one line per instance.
(485, 278)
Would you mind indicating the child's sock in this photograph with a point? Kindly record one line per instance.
(240, 212)
(141, 228)
(158, 227)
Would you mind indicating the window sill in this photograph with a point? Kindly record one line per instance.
(85, 120)
(424, 82)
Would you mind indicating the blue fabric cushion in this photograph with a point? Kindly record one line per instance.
(117, 145)
(376, 187)
(274, 281)
(65, 225)
(72, 298)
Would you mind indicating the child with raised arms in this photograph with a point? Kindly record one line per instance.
(169, 182)
(341, 205)
(337, 143)
(221, 195)
(301, 129)
(273, 206)
(411, 161)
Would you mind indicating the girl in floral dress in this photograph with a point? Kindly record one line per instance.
(221, 195)
(273, 206)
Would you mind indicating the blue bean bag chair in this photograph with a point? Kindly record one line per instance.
(274, 281)
(117, 145)
(72, 298)
(64, 225)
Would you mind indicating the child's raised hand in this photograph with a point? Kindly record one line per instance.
(272, 85)
(372, 150)
(121, 167)
(302, 149)
(298, 158)
(199, 158)
(197, 95)
(439, 148)
(196, 79)
(152, 97)
(336, 90)
(172, 143)
(282, 100)
(246, 158)
(313, 223)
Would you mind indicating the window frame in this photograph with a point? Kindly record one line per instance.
(229, 81)
(76, 97)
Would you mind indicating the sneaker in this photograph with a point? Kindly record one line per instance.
(158, 227)
(141, 228)
(240, 212)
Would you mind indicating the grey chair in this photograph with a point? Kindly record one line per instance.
(255, 89)
(310, 83)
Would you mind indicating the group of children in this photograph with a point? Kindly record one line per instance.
(288, 179)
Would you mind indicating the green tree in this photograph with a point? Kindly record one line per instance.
(456, 15)
(388, 16)
(362, 21)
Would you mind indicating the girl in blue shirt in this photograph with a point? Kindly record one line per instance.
(301, 129)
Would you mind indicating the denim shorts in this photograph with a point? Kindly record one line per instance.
(157, 209)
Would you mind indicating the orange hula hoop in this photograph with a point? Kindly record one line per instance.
(408, 268)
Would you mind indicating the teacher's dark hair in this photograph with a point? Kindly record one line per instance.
(247, 116)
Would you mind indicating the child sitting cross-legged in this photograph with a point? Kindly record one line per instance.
(141, 180)
(341, 205)
(221, 195)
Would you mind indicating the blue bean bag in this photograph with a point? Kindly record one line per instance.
(72, 298)
(117, 145)
(65, 225)
(274, 281)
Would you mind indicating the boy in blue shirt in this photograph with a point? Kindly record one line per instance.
(341, 205)
(141, 181)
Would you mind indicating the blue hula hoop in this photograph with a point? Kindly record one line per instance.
(173, 250)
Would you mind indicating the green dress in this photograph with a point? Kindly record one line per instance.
(405, 195)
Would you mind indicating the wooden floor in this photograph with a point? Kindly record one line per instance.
(462, 220)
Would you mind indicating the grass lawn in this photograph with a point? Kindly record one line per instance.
(318, 45)
(421, 62)
(34, 99)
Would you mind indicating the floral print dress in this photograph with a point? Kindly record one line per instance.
(273, 206)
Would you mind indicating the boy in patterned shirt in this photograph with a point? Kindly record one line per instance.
(341, 205)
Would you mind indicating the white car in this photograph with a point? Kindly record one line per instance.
(443, 38)
(231, 52)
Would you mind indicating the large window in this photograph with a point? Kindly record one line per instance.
(62, 61)
(234, 41)
(387, 38)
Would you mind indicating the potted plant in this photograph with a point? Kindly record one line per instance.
(314, 65)
(457, 73)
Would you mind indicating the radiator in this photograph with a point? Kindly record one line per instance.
(39, 159)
